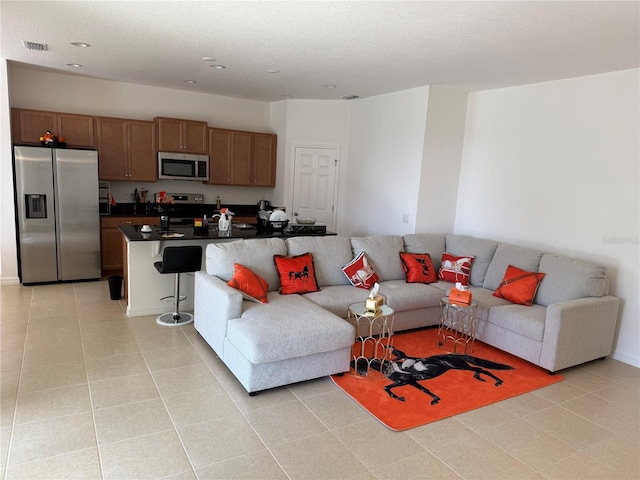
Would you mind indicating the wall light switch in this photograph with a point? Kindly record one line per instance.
(405, 218)
(125, 196)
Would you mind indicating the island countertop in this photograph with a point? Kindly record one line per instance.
(133, 233)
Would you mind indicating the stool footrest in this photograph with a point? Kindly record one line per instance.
(169, 298)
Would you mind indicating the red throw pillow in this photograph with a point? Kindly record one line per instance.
(360, 272)
(418, 267)
(519, 286)
(297, 274)
(455, 269)
(252, 285)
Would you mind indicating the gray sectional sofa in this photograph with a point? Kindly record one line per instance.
(299, 337)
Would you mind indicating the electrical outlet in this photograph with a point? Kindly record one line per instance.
(125, 196)
(405, 218)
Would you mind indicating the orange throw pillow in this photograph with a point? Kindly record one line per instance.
(418, 267)
(519, 286)
(297, 274)
(252, 285)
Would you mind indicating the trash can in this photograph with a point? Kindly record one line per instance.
(115, 286)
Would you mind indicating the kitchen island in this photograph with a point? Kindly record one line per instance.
(144, 286)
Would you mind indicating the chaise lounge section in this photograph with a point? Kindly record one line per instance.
(298, 337)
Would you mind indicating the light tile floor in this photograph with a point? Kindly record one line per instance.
(89, 393)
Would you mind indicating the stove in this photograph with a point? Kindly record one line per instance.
(185, 207)
(184, 198)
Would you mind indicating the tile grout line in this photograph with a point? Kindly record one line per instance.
(86, 371)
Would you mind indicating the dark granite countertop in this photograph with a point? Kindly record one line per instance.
(133, 233)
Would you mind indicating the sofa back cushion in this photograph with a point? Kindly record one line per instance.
(482, 250)
(383, 252)
(569, 279)
(330, 254)
(255, 254)
(431, 243)
(524, 258)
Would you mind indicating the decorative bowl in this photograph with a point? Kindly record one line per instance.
(306, 221)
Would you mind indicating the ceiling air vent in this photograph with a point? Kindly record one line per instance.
(38, 47)
(350, 97)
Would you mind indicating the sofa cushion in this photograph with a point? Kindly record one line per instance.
(382, 251)
(360, 272)
(519, 286)
(402, 296)
(521, 257)
(252, 286)
(297, 274)
(455, 269)
(288, 326)
(486, 301)
(330, 254)
(431, 243)
(255, 254)
(526, 321)
(418, 267)
(337, 298)
(482, 250)
(569, 278)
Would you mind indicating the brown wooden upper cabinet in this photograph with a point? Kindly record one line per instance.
(184, 136)
(29, 125)
(241, 158)
(229, 157)
(126, 149)
(264, 159)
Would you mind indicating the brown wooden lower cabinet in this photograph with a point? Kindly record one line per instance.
(111, 241)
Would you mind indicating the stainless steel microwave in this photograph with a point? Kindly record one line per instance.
(183, 166)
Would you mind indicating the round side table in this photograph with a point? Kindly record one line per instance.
(457, 328)
(374, 336)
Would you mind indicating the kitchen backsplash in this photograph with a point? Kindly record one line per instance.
(123, 191)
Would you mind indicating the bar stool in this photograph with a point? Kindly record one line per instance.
(178, 260)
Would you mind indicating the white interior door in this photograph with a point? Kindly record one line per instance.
(315, 184)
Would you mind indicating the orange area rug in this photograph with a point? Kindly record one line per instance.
(457, 383)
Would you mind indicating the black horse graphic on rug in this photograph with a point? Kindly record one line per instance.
(407, 370)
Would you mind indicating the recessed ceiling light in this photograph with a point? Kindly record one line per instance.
(329, 86)
(189, 81)
(273, 71)
(350, 97)
(208, 59)
(80, 44)
(218, 66)
(74, 65)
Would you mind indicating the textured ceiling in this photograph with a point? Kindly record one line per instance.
(363, 48)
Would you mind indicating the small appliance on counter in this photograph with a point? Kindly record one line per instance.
(270, 221)
(306, 229)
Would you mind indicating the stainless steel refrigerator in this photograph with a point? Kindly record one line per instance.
(57, 214)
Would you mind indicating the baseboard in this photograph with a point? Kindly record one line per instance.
(157, 311)
(9, 280)
(626, 359)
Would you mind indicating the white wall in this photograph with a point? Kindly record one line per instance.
(442, 156)
(555, 166)
(8, 263)
(385, 162)
(311, 123)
